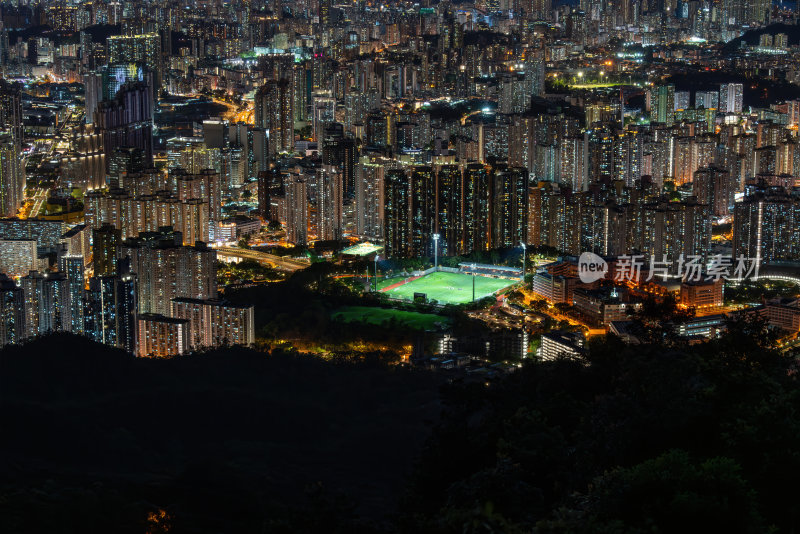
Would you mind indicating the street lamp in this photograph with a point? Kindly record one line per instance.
(524, 262)
(436, 252)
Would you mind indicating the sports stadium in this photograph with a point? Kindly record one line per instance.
(452, 286)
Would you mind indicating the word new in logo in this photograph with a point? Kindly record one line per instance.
(591, 267)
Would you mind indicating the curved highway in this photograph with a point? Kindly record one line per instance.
(283, 264)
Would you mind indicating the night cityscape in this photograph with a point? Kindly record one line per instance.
(502, 266)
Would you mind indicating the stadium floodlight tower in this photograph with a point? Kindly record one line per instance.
(524, 262)
(376, 272)
(474, 268)
(436, 252)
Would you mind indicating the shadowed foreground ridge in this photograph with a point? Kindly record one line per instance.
(660, 438)
(227, 441)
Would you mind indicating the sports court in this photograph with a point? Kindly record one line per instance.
(445, 288)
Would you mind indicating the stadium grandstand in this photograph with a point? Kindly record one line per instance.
(496, 271)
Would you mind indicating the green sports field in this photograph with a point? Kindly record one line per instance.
(446, 288)
(382, 316)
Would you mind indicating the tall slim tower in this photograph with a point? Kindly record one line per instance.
(369, 199)
(448, 209)
(113, 309)
(12, 316)
(329, 203)
(397, 213)
(72, 266)
(105, 249)
(11, 112)
(423, 209)
(12, 173)
(274, 111)
(297, 210)
(664, 104)
(731, 96)
(476, 201)
(509, 207)
(127, 121)
(12, 181)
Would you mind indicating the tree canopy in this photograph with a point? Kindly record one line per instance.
(655, 438)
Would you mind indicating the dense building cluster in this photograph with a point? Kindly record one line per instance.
(140, 288)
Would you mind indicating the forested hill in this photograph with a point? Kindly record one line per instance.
(94, 440)
(652, 438)
(655, 438)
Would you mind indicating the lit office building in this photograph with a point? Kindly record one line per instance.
(766, 226)
(713, 186)
(73, 268)
(214, 323)
(56, 305)
(476, 203)
(161, 337)
(509, 207)
(274, 103)
(423, 206)
(18, 257)
(47, 234)
(105, 249)
(12, 177)
(32, 286)
(663, 104)
(143, 49)
(111, 311)
(46, 303)
(449, 209)
(166, 269)
(297, 210)
(369, 199)
(127, 121)
(329, 203)
(12, 312)
(77, 241)
(731, 97)
(397, 227)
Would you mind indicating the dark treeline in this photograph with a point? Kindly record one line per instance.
(95, 441)
(655, 438)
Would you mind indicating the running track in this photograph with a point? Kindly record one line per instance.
(398, 284)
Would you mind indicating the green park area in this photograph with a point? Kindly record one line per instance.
(382, 316)
(445, 288)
